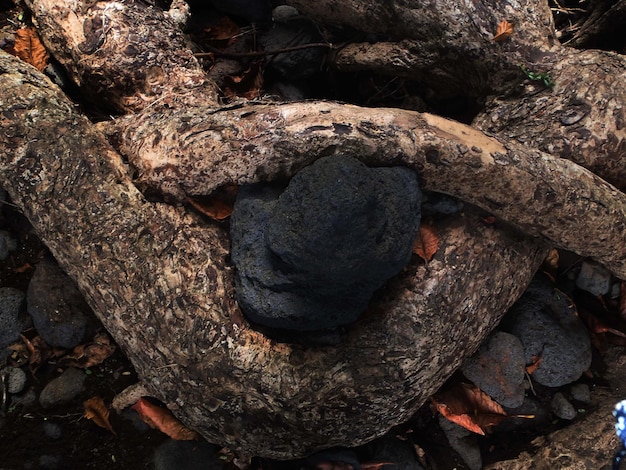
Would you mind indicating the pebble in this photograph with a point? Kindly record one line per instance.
(547, 325)
(63, 389)
(561, 407)
(59, 311)
(13, 317)
(464, 442)
(593, 278)
(498, 369)
(187, 455)
(581, 393)
(52, 430)
(16, 379)
(7, 244)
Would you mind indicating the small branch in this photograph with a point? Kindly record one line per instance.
(235, 55)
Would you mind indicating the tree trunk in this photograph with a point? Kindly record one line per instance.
(450, 47)
(160, 278)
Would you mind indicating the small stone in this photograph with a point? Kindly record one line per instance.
(593, 278)
(52, 430)
(7, 244)
(464, 442)
(561, 407)
(16, 380)
(498, 369)
(59, 311)
(13, 317)
(547, 325)
(62, 389)
(187, 455)
(581, 393)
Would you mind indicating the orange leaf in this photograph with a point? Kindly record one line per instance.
(29, 48)
(224, 30)
(90, 354)
(96, 410)
(531, 368)
(247, 85)
(219, 205)
(162, 419)
(504, 31)
(426, 243)
(470, 407)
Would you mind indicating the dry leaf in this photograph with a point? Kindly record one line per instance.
(504, 31)
(224, 30)
(38, 350)
(162, 419)
(247, 85)
(426, 243)
(90, 354)
(96, 410)
(470, 407)
(531, 368)
(29, 48)
(219, 205)
(23, 268)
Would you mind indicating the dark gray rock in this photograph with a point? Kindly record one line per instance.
(400, 453)
(7, 244)
(15, 379)
(311, 257)
(59, 311)
(187, 455)
(62, 389)
(464, 442)
(13, 317)
(52, 430)
(581, 393)
(498, 369)
(562, 407)
(546, 323)
(299, 64)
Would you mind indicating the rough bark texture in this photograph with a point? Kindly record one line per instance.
(122, 58)
(160, 278)
(193, 152)
(449, 46)
(161, 283)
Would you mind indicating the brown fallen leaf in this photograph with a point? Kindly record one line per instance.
(247, 85)
(531, 368)
(96, 410)
(161, 418)
(426, 243)
(23, 268)
(29, 48)
(90, 354)
(470, 407)
(504, 31)
(38, 351)
(219, 205)
(224, 30)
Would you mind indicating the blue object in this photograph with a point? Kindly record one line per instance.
(620, 428)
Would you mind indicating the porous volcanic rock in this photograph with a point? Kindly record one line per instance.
(310, 257)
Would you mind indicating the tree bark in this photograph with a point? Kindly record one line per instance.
(160, 278)
(449, 47)
(161, 282)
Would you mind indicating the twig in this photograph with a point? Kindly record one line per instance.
(234, 55)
